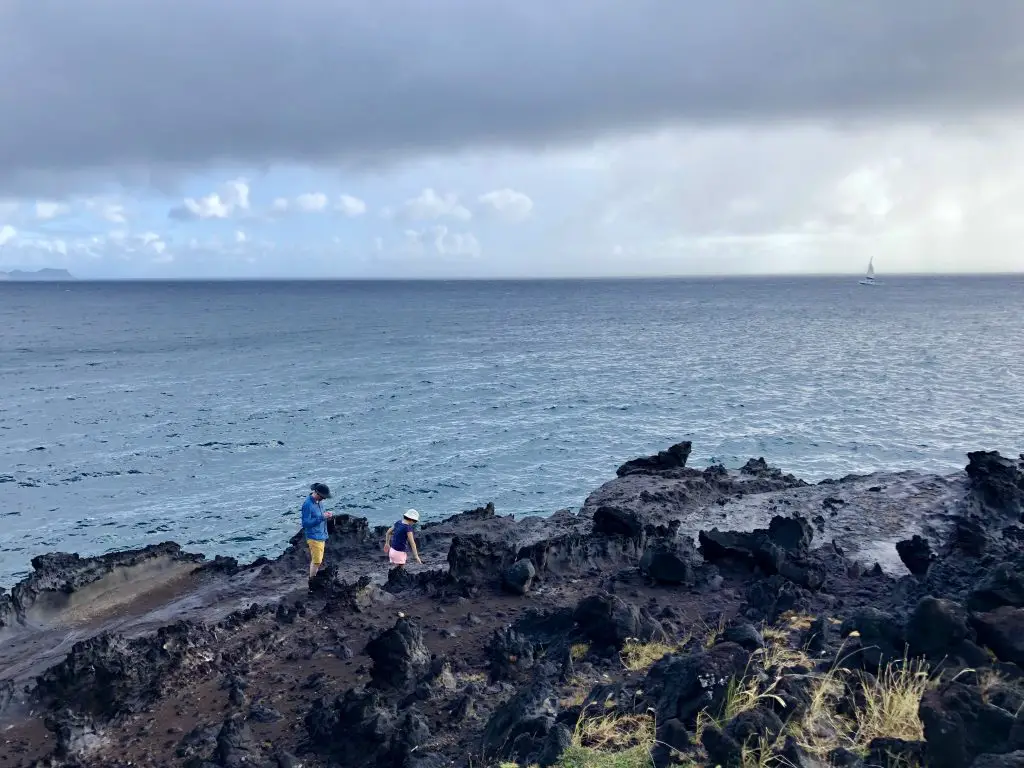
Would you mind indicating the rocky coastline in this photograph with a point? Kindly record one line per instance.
(684, 616)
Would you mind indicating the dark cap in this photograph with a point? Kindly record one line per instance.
(321, 490)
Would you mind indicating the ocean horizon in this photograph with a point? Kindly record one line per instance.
(199, 410)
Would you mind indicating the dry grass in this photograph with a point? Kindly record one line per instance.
(889, 710)
(799, 621)
(637, 655)
(713, 633)
(579, 687)
(611, 741)
(471, 677)
(578, 651)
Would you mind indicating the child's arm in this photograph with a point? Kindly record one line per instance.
(387, 539)
(415, 552)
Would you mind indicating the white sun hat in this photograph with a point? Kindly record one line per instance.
(411, 514)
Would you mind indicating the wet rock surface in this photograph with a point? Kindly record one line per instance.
(514, 630)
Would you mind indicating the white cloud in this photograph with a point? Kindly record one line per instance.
(430, 205)
(240, 237)
(48, 209)
(233, 198)
(114, 213)
(7, 234)
(512, 205)
(106, 209)
(280, 205)
(311, 202)
(351, 206)
(455, 243)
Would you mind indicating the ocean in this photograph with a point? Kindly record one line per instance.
(200, 412)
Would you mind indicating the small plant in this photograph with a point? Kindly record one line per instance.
(889, 708)
(638, 656)
(712, 633)
(611, 741)
(891, 702)
(578, 651)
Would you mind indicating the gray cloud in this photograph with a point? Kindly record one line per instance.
(113, 85)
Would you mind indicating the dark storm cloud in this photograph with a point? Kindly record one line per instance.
(116, 84)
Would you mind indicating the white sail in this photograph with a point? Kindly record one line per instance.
(869, 278)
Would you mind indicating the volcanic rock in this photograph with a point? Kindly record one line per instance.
(361, 730)
(681, 685)
(106, 675)
(1002, 630)
(671, 561)
(607, 620)
(959, 725)
(524, 729)
(399, 656)
(936, 627)
(518, 578)
(475, 559)
(674, 458)
(916, 554)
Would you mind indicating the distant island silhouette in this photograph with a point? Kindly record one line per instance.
(39, 274)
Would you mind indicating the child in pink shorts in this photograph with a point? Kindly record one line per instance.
(399, 538)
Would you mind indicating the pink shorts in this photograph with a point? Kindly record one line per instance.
(396, 557)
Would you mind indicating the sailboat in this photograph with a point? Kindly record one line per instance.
(869, 278)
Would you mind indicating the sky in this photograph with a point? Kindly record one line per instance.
(501, 138)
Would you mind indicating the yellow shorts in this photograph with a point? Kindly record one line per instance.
(316, 550)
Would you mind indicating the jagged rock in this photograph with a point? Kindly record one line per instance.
(201, 740)
(519, 730)
(793, 534)
(509, 654)
(671, 737)
(1002, 630)
(771, 597)
(916, 554)
(76, 734)
(576, 552)
(793, 756)
(816, 637)
(754, 726)
(61, 574)
(1001, 585)
(744, 635)
(399, 656)
(106, 675)
(475, 559)
(723, 750)
(609, 621)
(518, 578)
(236, 747)
(998, 482)
(674, 458)
(671, 562)
(755, 467)
(959, 725)
(780, 549)
(614, 521)
(1008, 760)
(895, 752)
(936, 626)
(680, 686)
(360, 729)
(261, 712)
(881, 638)
(970, 537)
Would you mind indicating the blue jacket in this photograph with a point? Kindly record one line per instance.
(313, 521)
